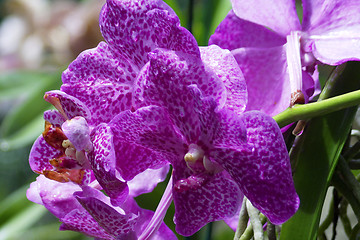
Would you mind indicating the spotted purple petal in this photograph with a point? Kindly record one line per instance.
(226, 68)
(67, 105)
(113, 219)
(54, 117)
(144, 139)
(102, 79)
(217, 198)
(40, 154)
(262, 168)
(103, 160)
(135, 28)
(81, 221)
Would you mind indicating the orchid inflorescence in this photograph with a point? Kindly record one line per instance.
(149, 102)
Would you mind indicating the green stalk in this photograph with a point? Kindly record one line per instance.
(310, 110)
(249, 232)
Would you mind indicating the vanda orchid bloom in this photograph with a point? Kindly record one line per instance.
(217, 154)
(71, 161)
(277, 54)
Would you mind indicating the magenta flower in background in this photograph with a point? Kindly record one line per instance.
(278, 55)
(217, 154)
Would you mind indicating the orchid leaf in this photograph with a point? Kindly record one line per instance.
(25, 219)
(13, 204)
(17, 127)
(316, 154)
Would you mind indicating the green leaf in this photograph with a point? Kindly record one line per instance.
(17, 127)
(316, 155)
(22, 221)
(13, 204)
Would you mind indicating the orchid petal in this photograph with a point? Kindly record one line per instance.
(278, 15)
(102, 160)
(267, 78)
(234, 32)
(81, 221)
(144, 139)
(67, 105)
(151, 176)
(112, 219)
(102, 79)
(169, 75)
(262, 168)
(54, 117)
(40, 154)
(226, 68)
(231, 130)
(155, 26)
(218, 198)
(333, 30)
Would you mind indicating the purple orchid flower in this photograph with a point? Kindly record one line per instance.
(69, 150)
(278, 55)
(216, 153)
(89, 211)
(133, 29)
(70, 153)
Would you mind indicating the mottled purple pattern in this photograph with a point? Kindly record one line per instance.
(135, 28)
(262, 168)
(102, 160)
(82, 221)
(102, 79)
(234, 32)
(41, 153)
(230, 131)
(226, 68)
(59, 200)
(182, 71)
(54, 117)
(113, 221)
(72, 106)
(217, 199)
(168, 69)
(138, 134)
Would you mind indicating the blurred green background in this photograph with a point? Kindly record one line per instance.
(38, 39)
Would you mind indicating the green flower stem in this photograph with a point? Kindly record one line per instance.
(249, 232)
(255, 221)
(346, 183)
(243, 220)
(344, 217)
(270, 229)
(327, 221)
(351, 152)
(354, 232)
(310, 110)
